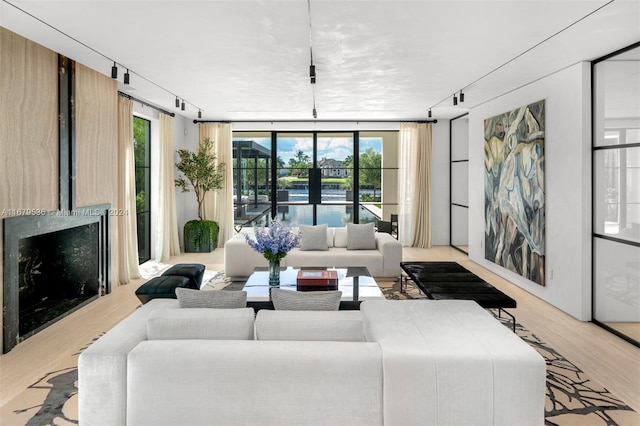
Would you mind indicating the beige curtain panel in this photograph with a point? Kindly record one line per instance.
(218, 205)
(415, 191)
(167, 242)
(127, 226)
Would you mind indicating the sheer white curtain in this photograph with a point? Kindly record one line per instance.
(167, 243)
(415, 189)
(127, 227)
(218, 205)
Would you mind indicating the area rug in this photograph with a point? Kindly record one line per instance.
(572, 397)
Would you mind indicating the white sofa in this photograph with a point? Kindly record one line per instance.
(393, 362)
(240, 260)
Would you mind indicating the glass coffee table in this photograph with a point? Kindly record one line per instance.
(355, 283)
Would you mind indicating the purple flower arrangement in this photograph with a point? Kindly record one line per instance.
(274, 242)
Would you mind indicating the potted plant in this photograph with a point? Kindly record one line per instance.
(201, 174)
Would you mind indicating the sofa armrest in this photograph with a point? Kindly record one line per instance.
(391, 251)
(102, 368)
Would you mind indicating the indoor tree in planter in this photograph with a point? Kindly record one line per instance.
(200, 174)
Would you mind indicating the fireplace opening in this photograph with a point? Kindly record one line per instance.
(58, 272)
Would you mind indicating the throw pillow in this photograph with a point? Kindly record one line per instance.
(221, 299)
(305, 301)
(313, 237)
(361, 237)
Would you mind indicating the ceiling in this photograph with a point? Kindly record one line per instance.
(375, 59)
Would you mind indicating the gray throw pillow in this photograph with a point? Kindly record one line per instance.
(290, 300)
(313, 237)
(221, 299)
(361, 237)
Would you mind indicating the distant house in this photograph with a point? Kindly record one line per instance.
(332, 168)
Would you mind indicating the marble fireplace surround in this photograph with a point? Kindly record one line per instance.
(19, 228)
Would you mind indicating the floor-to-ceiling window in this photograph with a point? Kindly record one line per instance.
(142, 149)
(314, 177)
(616, 193)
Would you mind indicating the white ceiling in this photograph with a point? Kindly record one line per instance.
(375, 59)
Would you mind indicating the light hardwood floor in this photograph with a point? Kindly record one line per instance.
(609, 360)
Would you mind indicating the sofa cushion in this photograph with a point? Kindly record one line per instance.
(361, 237)
(222, 299)
(313, 237)
(305, 301)
(198, 323)
(309, 325)
(340, 237)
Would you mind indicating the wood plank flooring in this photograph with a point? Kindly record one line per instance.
(605, 357)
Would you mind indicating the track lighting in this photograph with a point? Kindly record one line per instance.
(455, 100)
(312, 73)
(461, 97)
(114, 71)
(199, 113)
(177, 102)
(126, 77)
(182, 106)
(429, 112)
(315, 113)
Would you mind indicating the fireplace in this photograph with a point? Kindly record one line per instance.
(54, 263)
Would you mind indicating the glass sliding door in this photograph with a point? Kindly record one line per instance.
(252, 186)
(616, 193)
(308, 178)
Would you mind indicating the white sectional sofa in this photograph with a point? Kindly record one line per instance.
(240, 260)
(393, 362)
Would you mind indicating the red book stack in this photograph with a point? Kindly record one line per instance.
(312, 280)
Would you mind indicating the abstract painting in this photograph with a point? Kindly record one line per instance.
(514, 191)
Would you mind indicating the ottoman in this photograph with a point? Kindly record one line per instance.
(163, 287)
(192, 271)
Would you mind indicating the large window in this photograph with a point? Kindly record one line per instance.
(141, 143)
(616, 193)
(314, 177)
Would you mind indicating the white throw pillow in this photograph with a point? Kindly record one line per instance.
(361, 237)
(340, 239)
(313, 237)
(290, 300)
(220, 299)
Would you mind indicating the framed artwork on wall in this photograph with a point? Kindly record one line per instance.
(514, 191)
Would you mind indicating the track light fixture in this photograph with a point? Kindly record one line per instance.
(312, 73)
(114, 71)
(199, 113)
(177, 102)
(182, 105)
(126, 77)
(315, 113)
(429, 113)
(461, 97)
(455, 100)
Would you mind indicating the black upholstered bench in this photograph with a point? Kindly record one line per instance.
(192, 271)
(161, 287)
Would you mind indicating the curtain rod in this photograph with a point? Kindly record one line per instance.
(164, 111)
(315, 121)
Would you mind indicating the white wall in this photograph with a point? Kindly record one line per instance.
(567, 96)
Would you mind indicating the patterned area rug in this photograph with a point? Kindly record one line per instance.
(572, 397)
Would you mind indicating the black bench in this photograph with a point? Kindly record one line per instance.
(450, 280)
(193, 271)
